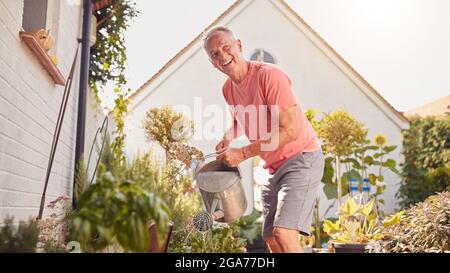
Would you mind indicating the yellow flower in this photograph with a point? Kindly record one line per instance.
(380, 140)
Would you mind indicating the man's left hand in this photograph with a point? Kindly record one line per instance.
(231, 156)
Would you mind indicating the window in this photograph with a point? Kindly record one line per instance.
(34, 15)
(261, 55)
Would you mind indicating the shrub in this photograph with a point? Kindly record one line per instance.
(247, 227)
(184, 202)
(116, 211)
(426, 148)
(219, 240)
(21, 239)
(425, 227)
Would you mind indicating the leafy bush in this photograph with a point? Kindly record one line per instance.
(21, 239)
(178, 193)
(425, 227)
(247, 227)
(184, 202)
(351, 154)
(115, 210)
(426, 148)
(219, 240)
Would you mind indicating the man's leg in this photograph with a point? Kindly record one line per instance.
(274, 247)
(287, 239)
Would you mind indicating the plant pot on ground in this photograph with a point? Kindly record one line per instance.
(348, 248)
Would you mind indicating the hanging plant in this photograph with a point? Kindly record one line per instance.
(108, 60)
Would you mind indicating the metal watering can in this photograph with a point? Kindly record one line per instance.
(221, 190)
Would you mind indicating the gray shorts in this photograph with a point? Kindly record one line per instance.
(289, 199)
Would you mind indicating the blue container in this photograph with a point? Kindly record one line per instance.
(357, 187)
(366, 185)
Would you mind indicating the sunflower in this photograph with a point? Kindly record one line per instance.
(380, 140)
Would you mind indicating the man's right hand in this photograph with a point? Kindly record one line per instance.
(224, 143)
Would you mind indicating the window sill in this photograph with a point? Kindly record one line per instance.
(43, 57)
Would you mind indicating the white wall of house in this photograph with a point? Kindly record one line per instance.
(29, 105)
(320, 80)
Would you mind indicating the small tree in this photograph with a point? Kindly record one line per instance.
(341, 135)
(167, 127)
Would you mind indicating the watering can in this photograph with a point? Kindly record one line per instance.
(222, 192)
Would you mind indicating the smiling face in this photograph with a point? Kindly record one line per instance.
(225, 53)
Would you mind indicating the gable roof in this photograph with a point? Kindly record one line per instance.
(237, 3)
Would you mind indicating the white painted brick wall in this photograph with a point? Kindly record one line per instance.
(29, 105)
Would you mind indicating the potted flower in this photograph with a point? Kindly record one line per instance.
(356, 227)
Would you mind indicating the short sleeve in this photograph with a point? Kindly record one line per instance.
(277, 89)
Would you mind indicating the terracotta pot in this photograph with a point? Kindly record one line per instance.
(349, 248)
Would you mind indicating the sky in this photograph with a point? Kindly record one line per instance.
(401, 47)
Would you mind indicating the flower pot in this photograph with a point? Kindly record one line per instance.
(349, 248)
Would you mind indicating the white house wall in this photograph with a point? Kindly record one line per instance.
(318, 82)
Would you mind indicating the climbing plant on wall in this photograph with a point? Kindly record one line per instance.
(108, 58)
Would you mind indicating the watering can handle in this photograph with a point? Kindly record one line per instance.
(196, 164)
(216, 154)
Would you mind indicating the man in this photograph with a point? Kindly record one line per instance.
(291, 150)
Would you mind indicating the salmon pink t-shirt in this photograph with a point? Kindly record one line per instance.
(255, 101)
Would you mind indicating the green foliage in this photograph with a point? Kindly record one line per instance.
(120, 110)
(341, 134)
(108, 55)
(370, 156)
(184, 202)
(117, 209)
(311, 115)
(219, 240)
(171, 129)
(357, 223)
(178, 192)
(108, 61)
(345, 139)
(426, 148)
(247, 227)
(21, 239)
(425, 227)
(81, 179)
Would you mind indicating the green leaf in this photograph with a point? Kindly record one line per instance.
(389, 149)
(390, 163)
(330, 227)
(368, 160)
(380, 178)
(380, 189)
(330, 191)
(372, 179)
(328, 172)
(354, 162)
(394, 170)
(352, 174)
(381, 201)
(377, 155)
